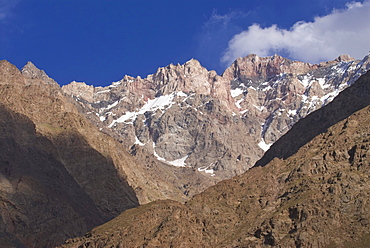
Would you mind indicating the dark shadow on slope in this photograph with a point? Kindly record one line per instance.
(96, 174)
(346, 103)
(41, 203)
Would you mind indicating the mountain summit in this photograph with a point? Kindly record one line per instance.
(189, 117)
(318, 197)
(77, 156)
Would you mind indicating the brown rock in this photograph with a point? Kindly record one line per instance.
(304, 200)
(218, 124)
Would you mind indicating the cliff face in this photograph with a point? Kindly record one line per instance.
(59, 175)
(317, 197)
(189, 117)
(41, 203)
(76, 157)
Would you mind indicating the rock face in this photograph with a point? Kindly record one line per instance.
(317, 197)
(38, 196)
(75, 157)
(187, 116)
(47, 161)
(60, 176)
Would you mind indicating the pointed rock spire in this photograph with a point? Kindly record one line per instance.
(30, 71)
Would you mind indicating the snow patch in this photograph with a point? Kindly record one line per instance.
(103, 91)
(157, 103)
(162, 102)
(181, 94)
(177, 163)
(112, 105)
(206, 170)
(305, 98)
(263, 145)
(239, 102)
(322, 82)
(307, 81)
(243, 112)
(115, 84)
(329, 97)
(292, 112)
(127, 116)
(267, 88)
(138, 142)
(156, 155)
(236, 92)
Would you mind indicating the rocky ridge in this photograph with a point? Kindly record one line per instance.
(187, 116)
(165, 140)
(59, 175)
(47, 193)
(317, 197)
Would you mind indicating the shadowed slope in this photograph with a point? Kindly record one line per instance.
(318, 197)
(60, 175)
(38, 195)
(346, 103)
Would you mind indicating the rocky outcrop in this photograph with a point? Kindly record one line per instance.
(60, 176)
(168, 136)
(278, 92)
(187, 116)
(318, 197)
(47, 161)
(79, 89)
(346, 103)
(259, 70)
(41, 204)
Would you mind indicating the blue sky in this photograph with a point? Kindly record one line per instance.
(100, 41)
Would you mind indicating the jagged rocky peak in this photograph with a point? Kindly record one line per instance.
(179, 142)
(188, 77)
(31, 72)
(192, 77)
(317, 196)
(255, 68)
(9, 73)
(44, 145)
(79, 89)
(193, 63)
(6, 66)
(344, 58)
(204, 115)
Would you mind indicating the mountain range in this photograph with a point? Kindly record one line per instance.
(188, 117)
(75, 157)
(316, 197)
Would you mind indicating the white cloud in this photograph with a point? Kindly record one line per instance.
(344, 31)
